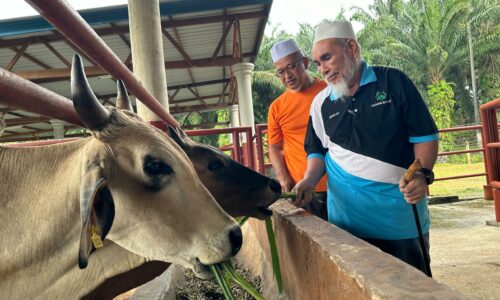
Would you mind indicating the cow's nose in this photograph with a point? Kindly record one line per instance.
(236, 238)
(275, 186)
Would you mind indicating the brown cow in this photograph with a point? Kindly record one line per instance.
(239, 190)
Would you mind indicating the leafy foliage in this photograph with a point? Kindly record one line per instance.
(427, 39)
(441, 104)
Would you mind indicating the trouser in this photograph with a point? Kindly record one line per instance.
(407, 250)
(318, 206)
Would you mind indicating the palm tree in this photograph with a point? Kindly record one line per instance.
(428, 40)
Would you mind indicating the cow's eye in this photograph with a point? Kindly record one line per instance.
(215, 165)
(155, 167)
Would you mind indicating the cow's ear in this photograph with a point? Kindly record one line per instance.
(97, 210)
(178, 136)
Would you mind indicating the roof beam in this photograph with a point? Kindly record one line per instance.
(124, 28)
(19, 54)
(199, 98)
(200, 83)
(177, 46)
(222, 39)
(121, 34)
(190, 108)
(24, 121)
(173, 87)
(205, 125)
(56, 53)
(50, 75)
(190, 71)
(260, 30)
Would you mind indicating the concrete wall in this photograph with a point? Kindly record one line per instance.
(321, 261)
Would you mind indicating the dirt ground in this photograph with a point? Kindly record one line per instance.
(465, 253)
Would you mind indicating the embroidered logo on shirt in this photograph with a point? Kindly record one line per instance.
(381, 98)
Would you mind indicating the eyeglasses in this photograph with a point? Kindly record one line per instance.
(289, 67)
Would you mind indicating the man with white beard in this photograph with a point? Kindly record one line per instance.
(365, 129)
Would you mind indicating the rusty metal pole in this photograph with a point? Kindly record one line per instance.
(23, 94)
(490, 159)
(69, 23)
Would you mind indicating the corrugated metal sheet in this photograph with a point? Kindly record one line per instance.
(199, 42)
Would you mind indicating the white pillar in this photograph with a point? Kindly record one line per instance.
(235, 115)
(147, 52)
(243, 74)
(58, 126)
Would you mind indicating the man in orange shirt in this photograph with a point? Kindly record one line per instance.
(287, 121)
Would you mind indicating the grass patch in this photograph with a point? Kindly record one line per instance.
(465, 187)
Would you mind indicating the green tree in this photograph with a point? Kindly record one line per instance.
(441, 104)
(427, 40)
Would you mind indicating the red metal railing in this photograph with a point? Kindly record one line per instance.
(491, 145)
(455, 129)
(262, 128)
(242, 152)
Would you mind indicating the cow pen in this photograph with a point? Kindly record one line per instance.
(309, 248)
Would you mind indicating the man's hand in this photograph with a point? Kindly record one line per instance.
(286, 182)
(415, 190)
(304, 190)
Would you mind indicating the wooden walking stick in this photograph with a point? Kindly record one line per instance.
(416, 166)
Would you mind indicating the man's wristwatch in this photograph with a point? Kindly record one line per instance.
(429, 175)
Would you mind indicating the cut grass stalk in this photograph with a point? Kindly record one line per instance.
(225, 271)
(228, 267)
(274, 254)
(217, 271)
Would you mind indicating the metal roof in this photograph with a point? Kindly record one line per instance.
(198, 77)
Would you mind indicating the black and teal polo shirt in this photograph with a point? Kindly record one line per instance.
(367, 142)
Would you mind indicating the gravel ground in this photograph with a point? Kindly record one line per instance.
(197, 289)
(465, 253)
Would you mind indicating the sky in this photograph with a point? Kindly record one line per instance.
(286, 13)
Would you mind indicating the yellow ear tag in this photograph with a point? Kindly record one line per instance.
(96, 238)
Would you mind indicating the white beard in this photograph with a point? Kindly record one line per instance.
(341, 88)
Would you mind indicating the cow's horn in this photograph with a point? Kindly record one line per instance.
(122, 99)
(88, 108)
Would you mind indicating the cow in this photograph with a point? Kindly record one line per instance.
(64, 206)
(239, 190)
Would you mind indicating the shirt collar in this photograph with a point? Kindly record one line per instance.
(367, 76)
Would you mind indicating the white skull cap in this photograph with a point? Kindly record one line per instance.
(334, 30)
(284, 48)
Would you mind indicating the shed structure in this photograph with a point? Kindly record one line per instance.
(202, 39)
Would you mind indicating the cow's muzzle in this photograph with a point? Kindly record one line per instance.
(236, 239)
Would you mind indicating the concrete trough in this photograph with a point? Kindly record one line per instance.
(321, 261)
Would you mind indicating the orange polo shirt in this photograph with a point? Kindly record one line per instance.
(287, 123)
